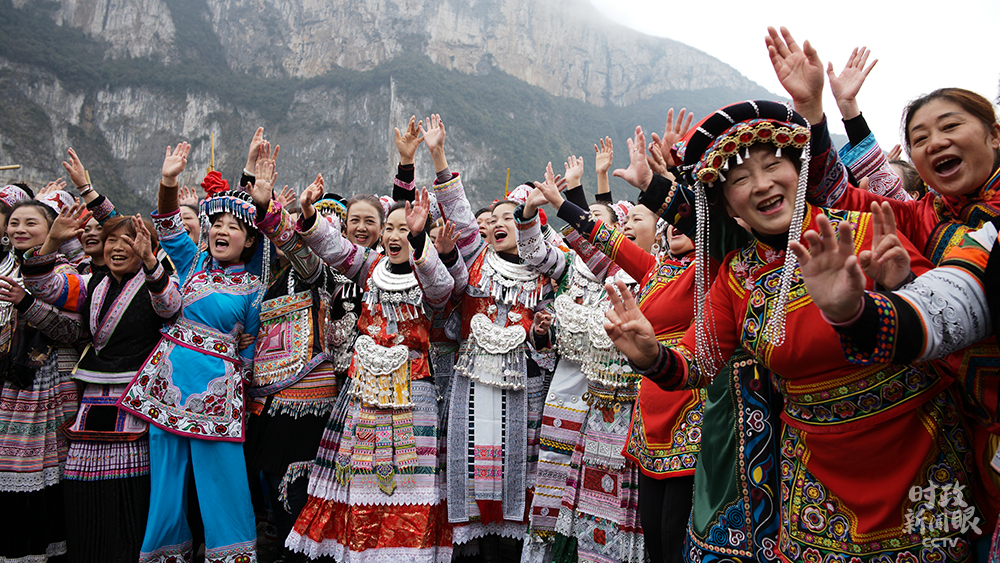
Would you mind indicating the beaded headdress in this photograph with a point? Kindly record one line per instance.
(240, 205)
(705, 153)
(331, 204)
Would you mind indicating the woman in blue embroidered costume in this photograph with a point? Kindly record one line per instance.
(744, 158)
(596, 516)
(38, 395)
(191, 387)
(107, 470)
(381, 497)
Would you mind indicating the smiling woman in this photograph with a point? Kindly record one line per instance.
(93, 242)
(191, 388)
(745, 158)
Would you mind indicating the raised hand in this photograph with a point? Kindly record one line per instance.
(416, 215)
(261, 189)
(799, 70)
(446, 239)
(638, 173)
(69, 223)
(845, 87)
(895, 153)
(266, 154)
(830, 269)
(574, 171)
(253, 153)
(603, 157)
(287, 197)
(11, 291)
(536, 198)
(311, 195)
(888, 262)
(187, 196)
(77, 172)
(629, 329)
(673, 131)
(53, 186)
(551, 188)
(142, 243)
(174, 163)
(434, 134)
(408, 141)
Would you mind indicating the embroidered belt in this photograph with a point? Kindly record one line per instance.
(381, 374)
(860, 399)
(199, 337)
(97, 397)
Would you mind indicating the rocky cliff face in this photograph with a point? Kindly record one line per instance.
(520, 82)
(562, 46)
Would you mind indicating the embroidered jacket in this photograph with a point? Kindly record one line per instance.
(832, 406)
(393, 327)
(741, 298)
(65, 289)
(192, 383)
(938, 315)
(294, 323)
(121, 321)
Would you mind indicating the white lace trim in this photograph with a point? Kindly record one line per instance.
(465, 533)
(339, 552)
(12, 482)
(52, 550)
(353, 496)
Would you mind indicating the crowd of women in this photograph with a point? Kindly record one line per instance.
(780, 352)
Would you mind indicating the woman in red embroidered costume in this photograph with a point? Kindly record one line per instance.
(497, 390)
(953, 138)
(375, 489)
(664, 435)
(835, 413)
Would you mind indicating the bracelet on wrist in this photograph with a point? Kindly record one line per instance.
(84, 186)
(86, 191)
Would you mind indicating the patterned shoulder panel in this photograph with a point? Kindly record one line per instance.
(950, 231)
(207, 282)
(757, 269)
(666, 271)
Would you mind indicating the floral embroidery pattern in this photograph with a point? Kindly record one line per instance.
(216, 413)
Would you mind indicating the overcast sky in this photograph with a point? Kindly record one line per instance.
(921, 45)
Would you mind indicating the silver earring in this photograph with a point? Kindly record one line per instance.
(5, 241)
(655, 249)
